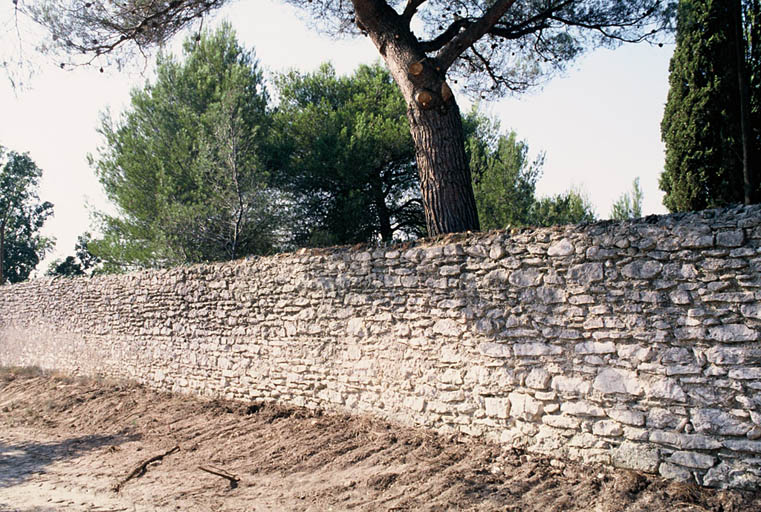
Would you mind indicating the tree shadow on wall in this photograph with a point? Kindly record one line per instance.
(22, 460)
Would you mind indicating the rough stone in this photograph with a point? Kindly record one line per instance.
(582, 409)
(495, 350)
(595, 347)
(685, 441)
(607, 428)
(447, 327)
(716, 421)
(562, 248)
(674, 472)
(666, 388)
(693, 459)
(733, 333)
(497, 407)
(642, 269)
(536, 349)
(617, 381)
(733, 474)
(636, 456)
(524, 278)
(627, 416)
(525, 407)
(538, 378)
(586, 273)
(570, 384)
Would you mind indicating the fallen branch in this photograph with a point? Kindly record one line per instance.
(143, 467)
(224, 474)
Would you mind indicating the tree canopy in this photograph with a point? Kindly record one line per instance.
(345, 156)
(183, 163)
(629, 205)
(491, 46)
(22, 215)
(77, 265)
(703, 122)
(504, 180)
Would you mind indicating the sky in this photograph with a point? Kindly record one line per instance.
(598, 123)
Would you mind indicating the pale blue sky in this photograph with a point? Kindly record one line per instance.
(598, 124)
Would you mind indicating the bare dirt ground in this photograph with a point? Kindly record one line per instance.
(69, 444)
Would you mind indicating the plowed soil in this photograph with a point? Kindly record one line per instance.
(76, 444)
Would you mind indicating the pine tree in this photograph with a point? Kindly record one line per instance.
(702, 121)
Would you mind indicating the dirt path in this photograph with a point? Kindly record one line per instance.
(66, 444)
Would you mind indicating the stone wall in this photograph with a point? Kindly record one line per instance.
(636, 343)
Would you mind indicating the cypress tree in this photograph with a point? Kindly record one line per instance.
(702, 121)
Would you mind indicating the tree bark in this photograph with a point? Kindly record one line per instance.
(434, 117)
(445, 179)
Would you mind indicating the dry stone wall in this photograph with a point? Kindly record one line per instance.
(636, 344)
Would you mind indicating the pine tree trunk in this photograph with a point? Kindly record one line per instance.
(435, 122)
(445, 180)
(384, 215)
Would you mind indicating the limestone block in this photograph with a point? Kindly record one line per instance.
(611, 380)
(660, 418)
(733, 333)
(636, 456)
(495, 350)
(571, 384)
(743, 445)
(450, 270)
(665, 388)
(538, 378)
(693, 459)
(745, 373)
(585, 273)
(497, 407)
(674, 472)
(451, 396)
(447, 327)
(550, 295)
(525, 278)
(639, 269)
(525, 407)
(733, 238)
(685, 441)
(582, 409)
(584, 440)
(731, 355)
(608, 428)
(733, 474)
(627, 416)
(752, 310)
(562, 248)
(561, 421)
(595, 347)
(716, 421)
(536, 349)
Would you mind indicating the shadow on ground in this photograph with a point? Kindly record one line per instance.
(19, 461)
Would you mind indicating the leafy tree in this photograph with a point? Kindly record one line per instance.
(492, 46)
(629, 205)
(504, 180)
(571, 207)
(346, 157)
(22, 215)
(77, 265)
(183, 164)
(707, 150)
